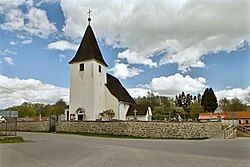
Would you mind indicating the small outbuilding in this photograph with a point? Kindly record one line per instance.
(139, 112)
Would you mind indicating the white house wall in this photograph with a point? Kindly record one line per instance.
(229, 122)
(139, 117)
(147, 117)
(149, 114)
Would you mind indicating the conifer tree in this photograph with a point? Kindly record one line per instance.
(209, 100)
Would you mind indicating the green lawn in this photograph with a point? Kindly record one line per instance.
(14, 139)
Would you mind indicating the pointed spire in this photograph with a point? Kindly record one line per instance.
(88, 48)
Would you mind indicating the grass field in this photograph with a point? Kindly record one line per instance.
(14, 139)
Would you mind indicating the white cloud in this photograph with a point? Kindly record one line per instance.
(171, 86)
(39, 24)
(233, 93)
(61, 57)
(20, 36)
(7, 4)
(30, 90)
(9, 60)
(12, 43)
(184, 30)
(39, 3)
(123, 71)
(28, 41)
(62, 45)
(33, 22)
(138, 92)
(8, 52)
(135, 58)
(177, 83)
(14, 20)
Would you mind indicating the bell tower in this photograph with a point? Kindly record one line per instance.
(87, 79)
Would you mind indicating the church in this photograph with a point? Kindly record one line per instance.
(93, 90)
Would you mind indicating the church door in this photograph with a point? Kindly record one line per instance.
(80, 117)
(80, 114)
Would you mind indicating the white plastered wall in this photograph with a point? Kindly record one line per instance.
(123, 109)
(120, 108)
(111, 102)
(87, 89)
(147, 117)
(139, 117)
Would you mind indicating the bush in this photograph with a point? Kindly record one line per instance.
(107, 115)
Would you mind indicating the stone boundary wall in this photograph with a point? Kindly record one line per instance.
(33, 126)
(159, 130)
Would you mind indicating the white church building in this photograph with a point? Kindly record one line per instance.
(93, 90)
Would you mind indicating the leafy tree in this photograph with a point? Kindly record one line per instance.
(162, 112)
(61, 102)
(159, 104)
(56, 110)
(232, 105)
(184, 101)
(26, 109)
(159, 113)
(237, 105)
(195, 110)
(199, 97)
(248, 97)
(31, 110)
(107, 114)
(167, 112)
(224, 104)
(209, 100)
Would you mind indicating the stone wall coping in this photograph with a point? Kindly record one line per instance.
(144, 122)
(33, 121)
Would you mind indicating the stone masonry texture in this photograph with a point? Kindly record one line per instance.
(161, 130)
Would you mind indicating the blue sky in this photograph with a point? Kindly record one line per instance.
(177, 46)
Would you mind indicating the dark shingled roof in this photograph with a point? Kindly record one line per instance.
(117, 90)
(141, 110)
(88, 48)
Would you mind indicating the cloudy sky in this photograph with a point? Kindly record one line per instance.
(165, 46)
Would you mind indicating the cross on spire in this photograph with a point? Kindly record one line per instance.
(89, 19)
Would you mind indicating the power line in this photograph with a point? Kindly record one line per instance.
(1, 87)
(15, 91)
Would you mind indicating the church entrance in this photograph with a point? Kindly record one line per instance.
(80, 114)
(80, 117)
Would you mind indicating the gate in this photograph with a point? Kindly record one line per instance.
(9, 124)
(53, 121)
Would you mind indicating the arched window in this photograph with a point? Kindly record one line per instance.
(80, 114)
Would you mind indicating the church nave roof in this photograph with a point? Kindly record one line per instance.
(117, 90)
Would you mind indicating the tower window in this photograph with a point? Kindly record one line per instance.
(99, 69)
(82, 67)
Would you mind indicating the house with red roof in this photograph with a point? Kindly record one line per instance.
(228, 118)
